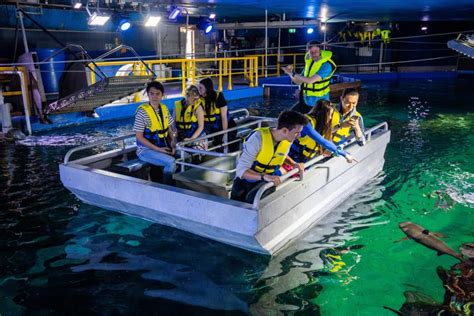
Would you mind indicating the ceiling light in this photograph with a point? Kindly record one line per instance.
(124, 25)
(212, 16)
(77, 5)
(323, 27)
(98, 19)
(175, 11)
(208, 28)
(310, 30)
(152, 20)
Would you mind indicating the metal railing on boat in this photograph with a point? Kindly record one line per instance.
(288, 177)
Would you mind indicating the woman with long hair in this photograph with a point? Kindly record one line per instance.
(316, 135)
(216, 113)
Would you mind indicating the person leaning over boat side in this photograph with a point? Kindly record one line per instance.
(316, 133)
(264, 152)
(189, 116)
(153, 130)
(216, 114)
(347, 119)
(315, 78)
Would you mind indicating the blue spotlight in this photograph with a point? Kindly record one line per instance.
(208, 28)
(310, 30)
(124, 25)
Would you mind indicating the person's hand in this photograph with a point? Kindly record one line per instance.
(275, 179)
(172, 151)
(327, 153)
(349, 158)
(186, 139)
(288, 69)
(164, 150)
(299, 166)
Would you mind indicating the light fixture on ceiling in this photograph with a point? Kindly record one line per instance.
(174, 12)
(96, 18)
(323, 26)
(209, 28)
(76, 4)
(152, 20)
(424, 28)
(124, 25)
(212, 16)
(310, 30)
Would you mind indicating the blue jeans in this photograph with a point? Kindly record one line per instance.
(159, 159)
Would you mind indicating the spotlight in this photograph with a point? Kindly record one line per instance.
(175, 11)
(323, 27)
(77, 5)
(152, 20)
(310, 30)
(209, 28)
(212, 16)
(424, 28)
(124, 25)
(98, 19)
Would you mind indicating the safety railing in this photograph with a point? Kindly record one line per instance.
(287, 178)
(125, 47)
(184, 149)
(119, 139)
(276, 61)
(22, 72)
(191, 70)
(69, 48)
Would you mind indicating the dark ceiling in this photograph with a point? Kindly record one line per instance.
(334, 10)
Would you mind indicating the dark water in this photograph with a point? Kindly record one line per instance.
(60, 256)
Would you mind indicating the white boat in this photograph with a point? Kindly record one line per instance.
(112, 178)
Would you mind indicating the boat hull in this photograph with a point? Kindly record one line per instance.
(279, 218)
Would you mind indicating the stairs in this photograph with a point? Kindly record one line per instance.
(103, 92)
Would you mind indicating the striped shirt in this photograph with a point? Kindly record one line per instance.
(142, 121)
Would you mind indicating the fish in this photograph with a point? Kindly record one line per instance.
(428, 239)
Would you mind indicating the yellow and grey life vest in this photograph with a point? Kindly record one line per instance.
(186, 118)
(270, 157)
(307, 146)
(211, 111)
(319, 88)
(340, 134)
(158, 131)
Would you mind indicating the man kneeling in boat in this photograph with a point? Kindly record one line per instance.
(264, 152)
(153, 130)
(347, 119)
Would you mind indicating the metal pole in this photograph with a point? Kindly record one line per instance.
(266, 43)
(324, 39)
(25, 43)
(381, 57)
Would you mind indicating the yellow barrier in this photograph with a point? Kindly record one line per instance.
(190, 70)
(277, 64)
(23, 70)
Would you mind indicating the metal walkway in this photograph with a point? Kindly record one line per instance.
(103, 92)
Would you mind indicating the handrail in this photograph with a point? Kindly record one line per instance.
(110, 52)
(181, 146)
(98, 143)
(265, 187)
(67, 47)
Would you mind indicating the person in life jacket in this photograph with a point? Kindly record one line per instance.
(153, 131)
(315, 78)
(264, 152)
(346, 119)
(316, 135)
(216, 114)
(189, 115)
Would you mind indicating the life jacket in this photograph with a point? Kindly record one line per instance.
(158, 131)
(319, 88)
(211, 112)
(270, 157)
(340, 134)
(186, 119)
(305, 147)
(212, 116)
